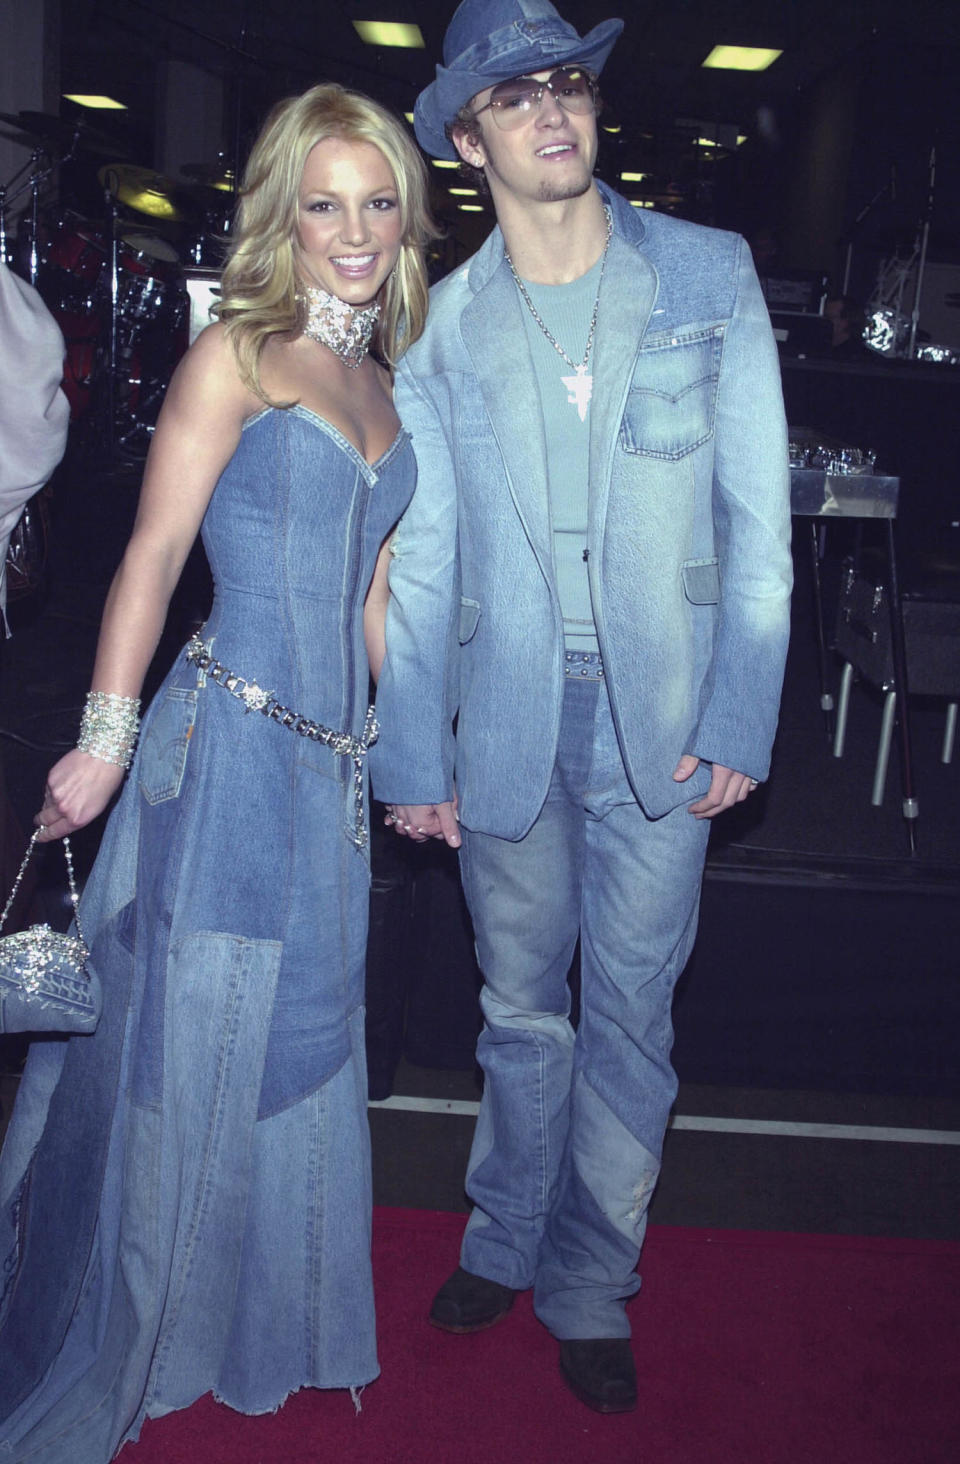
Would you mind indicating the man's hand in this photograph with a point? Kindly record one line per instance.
(727, 787)
(420, 821)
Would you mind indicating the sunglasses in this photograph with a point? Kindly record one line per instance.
(515, 101)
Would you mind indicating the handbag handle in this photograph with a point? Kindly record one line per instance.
(74, 897)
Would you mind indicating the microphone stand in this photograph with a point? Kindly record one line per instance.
(868, 208)
(38, 176)
(924, 239)
(110, 205)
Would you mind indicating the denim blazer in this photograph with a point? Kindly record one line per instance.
(688, 531)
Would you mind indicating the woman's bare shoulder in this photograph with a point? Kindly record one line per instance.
(209, 373)
(286, 368)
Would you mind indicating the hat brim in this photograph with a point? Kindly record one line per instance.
(440, 102)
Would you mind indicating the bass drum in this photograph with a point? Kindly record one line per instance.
(146, 361)
(82, 336)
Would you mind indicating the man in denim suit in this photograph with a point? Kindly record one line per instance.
(593, 578)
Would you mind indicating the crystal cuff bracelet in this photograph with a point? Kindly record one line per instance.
(109, 726)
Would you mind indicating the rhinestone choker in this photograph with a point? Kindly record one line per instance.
(339, 326)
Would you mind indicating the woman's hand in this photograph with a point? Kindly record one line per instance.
(78, 788)
(421, 821)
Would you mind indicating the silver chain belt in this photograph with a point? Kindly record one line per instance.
(255, 699)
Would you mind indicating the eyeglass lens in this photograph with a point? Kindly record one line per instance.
(512, 101)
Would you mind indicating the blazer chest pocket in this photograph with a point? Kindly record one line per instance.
(469, 617)
(701, 581)
(672, 401)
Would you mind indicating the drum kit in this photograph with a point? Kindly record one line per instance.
(116, 283)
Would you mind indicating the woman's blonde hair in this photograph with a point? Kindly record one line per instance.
(260, 286)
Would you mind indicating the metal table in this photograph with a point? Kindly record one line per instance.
(817, 494)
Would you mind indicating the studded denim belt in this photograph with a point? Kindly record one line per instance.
(585, 665)
(255, 699)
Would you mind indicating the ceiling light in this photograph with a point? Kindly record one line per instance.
(741, 58)
(409, 117)
(741, 139)
(611, 127)
(443, 163)
(632, 177)
(463, 192)
(470, 207)
(102, 104)
(389, 33)
(641, 203)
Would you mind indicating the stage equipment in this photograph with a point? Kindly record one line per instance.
(889, 330)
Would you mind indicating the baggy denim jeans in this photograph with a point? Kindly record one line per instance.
(567, 1147)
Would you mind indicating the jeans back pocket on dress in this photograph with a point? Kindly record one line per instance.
(163, 748)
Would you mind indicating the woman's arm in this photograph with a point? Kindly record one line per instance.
(375, 610)
(196, 435)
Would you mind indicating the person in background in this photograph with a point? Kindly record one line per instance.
(593, 577)
(34, 416)
(847, 320)
(198, 1169)
(34, 413)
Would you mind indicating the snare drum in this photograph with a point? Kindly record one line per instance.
(150, 284)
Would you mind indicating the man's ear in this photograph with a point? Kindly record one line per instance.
(469, 145)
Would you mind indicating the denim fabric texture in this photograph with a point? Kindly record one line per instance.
(571, 819)
(185, 1196)
(492, 40)
(567, 1147)
(688, 526)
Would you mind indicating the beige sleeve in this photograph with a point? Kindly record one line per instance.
(33, 410)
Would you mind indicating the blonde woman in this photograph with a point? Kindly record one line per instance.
(186, 1194)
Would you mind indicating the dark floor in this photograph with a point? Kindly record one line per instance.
(902, 1181)
(822, 999)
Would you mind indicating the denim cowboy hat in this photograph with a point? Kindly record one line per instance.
(492, 40)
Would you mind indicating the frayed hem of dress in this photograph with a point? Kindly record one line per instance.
(354, 1389)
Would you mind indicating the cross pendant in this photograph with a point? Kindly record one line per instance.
(580, 389)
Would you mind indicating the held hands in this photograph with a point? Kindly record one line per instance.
(727, 787)
(78, 788)
(422, 821)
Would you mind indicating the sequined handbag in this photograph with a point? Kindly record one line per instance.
(44, 983)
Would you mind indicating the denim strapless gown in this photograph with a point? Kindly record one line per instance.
(185, 1195)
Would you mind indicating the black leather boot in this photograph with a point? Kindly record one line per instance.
(468, 1303)
(601, 1372)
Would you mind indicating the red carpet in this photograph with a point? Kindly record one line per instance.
(752, 1348)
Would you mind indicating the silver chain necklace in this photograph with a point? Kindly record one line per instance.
(580, 385)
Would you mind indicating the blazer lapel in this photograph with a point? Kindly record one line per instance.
(493, 332)
(627, 297)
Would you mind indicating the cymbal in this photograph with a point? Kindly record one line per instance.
(146, 192)
(208, 200)
(212, 175)
(44, 128)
